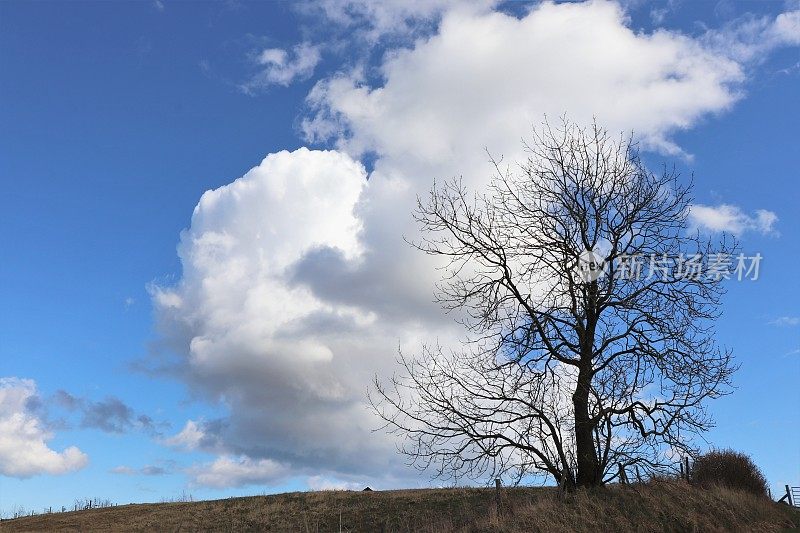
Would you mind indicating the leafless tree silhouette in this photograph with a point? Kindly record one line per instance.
(563, 376)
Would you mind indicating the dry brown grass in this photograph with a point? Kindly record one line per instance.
(658, 506)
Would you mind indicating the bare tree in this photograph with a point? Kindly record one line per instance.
(563, 375)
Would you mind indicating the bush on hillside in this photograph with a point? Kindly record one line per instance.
(730, 469)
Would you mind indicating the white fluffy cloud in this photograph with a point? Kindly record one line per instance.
(297, 283)
(188, 438)
(23, 436)
(323, 483)
(731, 219)
(487, 76)
(228, 471)
(785, 30)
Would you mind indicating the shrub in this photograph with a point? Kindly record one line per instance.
(730, 469)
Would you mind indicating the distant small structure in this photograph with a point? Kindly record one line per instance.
(367, 490)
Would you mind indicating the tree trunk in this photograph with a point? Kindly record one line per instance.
(588, 465)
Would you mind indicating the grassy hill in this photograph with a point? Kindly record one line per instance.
(657, 506)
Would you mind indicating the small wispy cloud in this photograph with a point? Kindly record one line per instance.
(786, 321)
(790, 69)
(282, 67)
(658, 15)
(147, 470)
(111, 415)
(750, 38)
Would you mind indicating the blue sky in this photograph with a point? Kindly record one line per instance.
(115, 118)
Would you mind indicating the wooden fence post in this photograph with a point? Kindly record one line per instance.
(687, 467)
(623, 479)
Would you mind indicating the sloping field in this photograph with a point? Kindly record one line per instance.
(658, 506)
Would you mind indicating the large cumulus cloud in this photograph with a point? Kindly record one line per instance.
(291, 367)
